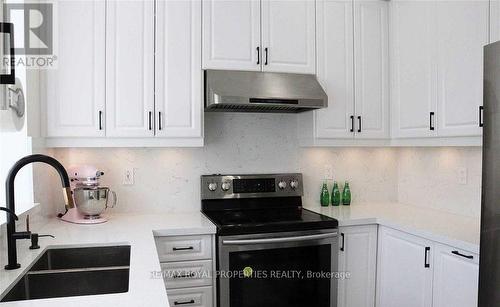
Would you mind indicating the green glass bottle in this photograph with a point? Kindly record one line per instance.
(346, 195)
(325, 196)
(335, 194)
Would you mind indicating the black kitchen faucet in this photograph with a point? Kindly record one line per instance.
(12, 235)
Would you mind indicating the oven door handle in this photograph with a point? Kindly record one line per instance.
(279, 240)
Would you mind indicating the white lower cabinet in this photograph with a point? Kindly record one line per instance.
(404, 271)
(187, 267)
(358, 257)
(456, 274)
(413, 271)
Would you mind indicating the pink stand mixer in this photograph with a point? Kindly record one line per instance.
(89, 197)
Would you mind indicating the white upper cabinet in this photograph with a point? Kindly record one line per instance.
(456, 275)
(130, 68)
(358, 256)
(255, 35)
(494, 20)
(371, 69)
(335, 69)
(231, 34)
(75, 95)
(404, 273)
(413, 71)
(353, 68)
(288, 36)
(178, 71)
(462, 31)
(437, 66)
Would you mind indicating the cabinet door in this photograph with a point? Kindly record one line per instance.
(75, 90)
(402, 276)
(456, 275)
(335, 68)
(288, 36)
(130, 68)
(462, 31)
(358, 256)
(413, 68)
(371, 65)
(494, 20)
(231, 34)
(178, 68)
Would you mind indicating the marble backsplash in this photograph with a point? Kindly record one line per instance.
(167, 179)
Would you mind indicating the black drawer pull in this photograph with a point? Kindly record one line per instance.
(343, 240)
(359, 123)
(352, 123)
(265, 50)
(184, 303)
(258, 55)
(431, 121)
(426, 263)
(187, 275)
(462, 255)
(182, 248)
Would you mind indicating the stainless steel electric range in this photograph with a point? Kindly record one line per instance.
(270, 251)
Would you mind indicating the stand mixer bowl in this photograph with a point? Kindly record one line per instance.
(91, 201)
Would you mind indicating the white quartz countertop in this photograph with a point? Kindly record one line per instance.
(462, 232)
(136, 230)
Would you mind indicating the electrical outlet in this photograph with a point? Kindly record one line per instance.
(462, 175)
(128, 176)
(328, 172)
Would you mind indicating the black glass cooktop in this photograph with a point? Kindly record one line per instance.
(231, 222)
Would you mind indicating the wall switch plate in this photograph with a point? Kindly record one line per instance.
(462, 175)
(128, 176)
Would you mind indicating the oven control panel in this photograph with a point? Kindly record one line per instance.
(251, 186)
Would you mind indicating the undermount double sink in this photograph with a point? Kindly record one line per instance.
(64, 272)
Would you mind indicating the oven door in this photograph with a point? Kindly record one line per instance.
(278, 269)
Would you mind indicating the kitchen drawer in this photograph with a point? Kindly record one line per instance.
(182, 248)
(187, 274)
(200, 297)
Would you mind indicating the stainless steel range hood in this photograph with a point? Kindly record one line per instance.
(265, 92)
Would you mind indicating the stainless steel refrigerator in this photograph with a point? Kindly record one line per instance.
(489, 263)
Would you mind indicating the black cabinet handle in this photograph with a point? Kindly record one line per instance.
(150, 120)
(481, 110)
(265, 51)
(343, 241)
(359, 123)
(258, 55)
(187, 275)
(462, 255)
(426, 263)
(100, 120)
(182, 248)
(159, 120)
(352, 123)
(431, 121)
(183, 303)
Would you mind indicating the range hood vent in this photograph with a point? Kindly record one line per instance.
(263, 92)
